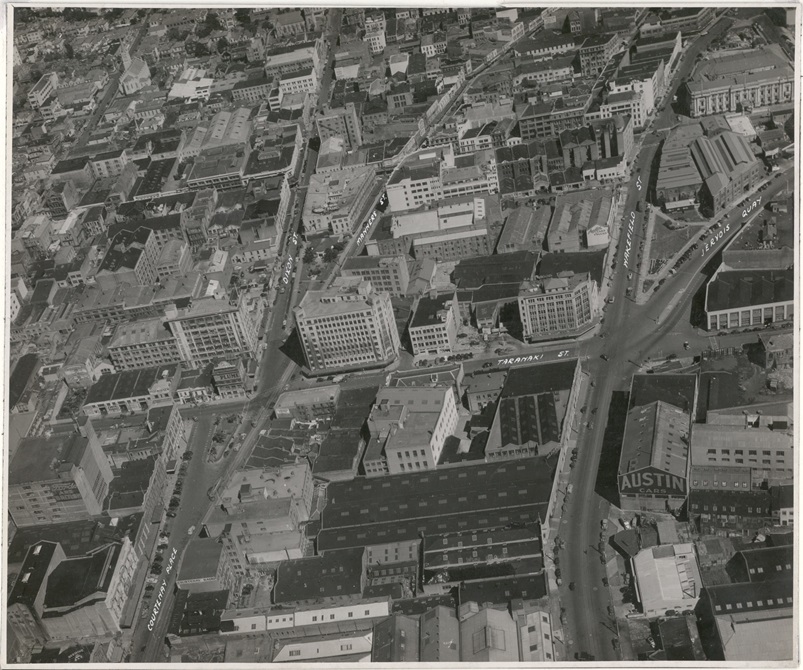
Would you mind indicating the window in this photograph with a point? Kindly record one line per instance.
(351, 615)
(253, 626)
(315, 618)
(295, 652)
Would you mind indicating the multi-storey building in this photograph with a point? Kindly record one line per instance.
(596, 51)
(108, 164)
(376, 41)
(558, 305)
(386, 273)
(58, 478)
(42, 89)
(741, 80)
(252, 90)
(349, 326)
(766, 448)
(740, 298)
(206, 567)
(259, 513)
(57, 598)
(300, 81)
(685, 20)
(408, 428)
(342, 122)
(336, 199)
(284, 59)
(130, 259)
(141, 344)
(433, 328)
(210, 329)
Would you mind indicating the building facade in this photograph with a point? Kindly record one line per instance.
(558, 305)
(349, 326)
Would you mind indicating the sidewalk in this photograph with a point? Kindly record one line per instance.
(644, 260)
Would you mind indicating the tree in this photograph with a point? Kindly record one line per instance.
(243, 16)
(69, 52)
(222, 45)
(309, 255)
(329, 255)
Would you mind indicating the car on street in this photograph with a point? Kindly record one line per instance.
(604, 357)
(190, 530)
(487, 365)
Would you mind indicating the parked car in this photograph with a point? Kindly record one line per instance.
(190, 530)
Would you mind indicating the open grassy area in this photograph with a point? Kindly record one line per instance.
(667, 242)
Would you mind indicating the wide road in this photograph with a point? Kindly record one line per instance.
(148, 645)
(630, 333)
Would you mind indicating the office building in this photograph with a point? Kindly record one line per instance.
(142, 343)
(343, 122)
(388, 274)
(210, 329)
(130, 259)
(259, 516)
(764, 446)
(562, 305)
(409, 428)
(206, 567)
(64, 477)
(741, 80)
(433, 328)
(61, 598)
(349, 326)
(336, 200)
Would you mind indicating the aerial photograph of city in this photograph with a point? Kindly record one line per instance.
(400, 335)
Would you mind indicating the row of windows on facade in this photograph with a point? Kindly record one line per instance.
(764, 461)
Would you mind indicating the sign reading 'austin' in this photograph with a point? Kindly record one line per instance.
(652, 481)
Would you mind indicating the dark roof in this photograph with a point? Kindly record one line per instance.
(389, 639)
(768, 563)
(35, 565)
(131, 483)
(21, 376)
(195, 613)
(681, 639)
(422, 605)
(536, 379)
(202, 559)
(336, 573)
(76, 538)
(435, 502)
(125, 250)
(75, 579)
(70, 165)
(339, 451)
(783, 496)
(499, 592)
(75, 653)
(354, 406)
(592, 262)
(751, 596)
(128, 384)
(747, 503)
(496, 269)
(675, 389)
(426, 312)
(746, 288)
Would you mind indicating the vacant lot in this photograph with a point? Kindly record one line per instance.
(667, 242)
